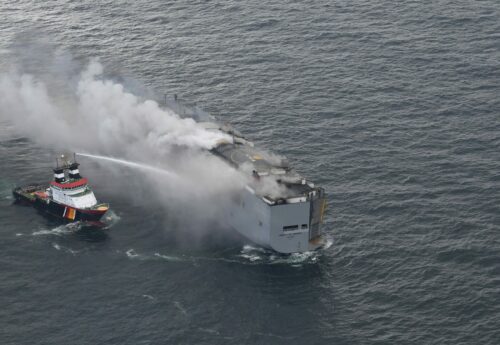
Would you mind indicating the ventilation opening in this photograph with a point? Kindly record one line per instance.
(290, 227)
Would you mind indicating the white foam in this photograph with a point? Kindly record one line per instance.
(110, 219)
(179, 306)
(249, 248)
(59, 230)
(65, 249)
(168, 257)
(251, 257)
(248, 255)
(296, 258)
(328, 243)
(132, 254)
(259, 255)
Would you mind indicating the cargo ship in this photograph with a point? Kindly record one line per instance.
(279, 208)
(68, 197)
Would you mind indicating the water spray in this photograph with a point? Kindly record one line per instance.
(139, 166)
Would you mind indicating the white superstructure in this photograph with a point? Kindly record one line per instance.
(69, 188)
(81, 197)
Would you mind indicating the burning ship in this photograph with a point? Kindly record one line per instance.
(288, 217)
(68, 197)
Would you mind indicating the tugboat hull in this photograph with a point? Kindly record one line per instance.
(69, 213)
(31, 196)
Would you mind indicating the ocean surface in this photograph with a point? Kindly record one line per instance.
(392, 107)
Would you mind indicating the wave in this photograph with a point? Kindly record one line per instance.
(59, 247)
(248, 255)
(110, 219)
(259, 255)
(59, 230)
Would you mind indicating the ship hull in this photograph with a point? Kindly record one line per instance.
(285, 228)
(64, 212)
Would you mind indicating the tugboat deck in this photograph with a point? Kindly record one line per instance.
(31, 192)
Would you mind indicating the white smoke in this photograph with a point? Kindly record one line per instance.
(101, 116)
(97, 115)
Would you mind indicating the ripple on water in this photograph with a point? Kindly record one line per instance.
(393, 109)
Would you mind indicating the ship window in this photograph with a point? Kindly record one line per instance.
(304, 226)
(290, 227)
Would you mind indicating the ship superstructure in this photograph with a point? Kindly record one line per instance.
(279, 208)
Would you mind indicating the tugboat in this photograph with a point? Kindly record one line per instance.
(68, 197)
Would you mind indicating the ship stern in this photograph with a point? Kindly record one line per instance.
(296, 226)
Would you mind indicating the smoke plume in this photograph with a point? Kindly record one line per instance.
(101, 116)
(96, 115)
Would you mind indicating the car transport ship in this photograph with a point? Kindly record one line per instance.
(279, 208)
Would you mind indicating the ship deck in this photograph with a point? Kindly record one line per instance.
(264, 166)
(241, 154)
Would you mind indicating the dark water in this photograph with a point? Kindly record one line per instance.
(392, 107)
